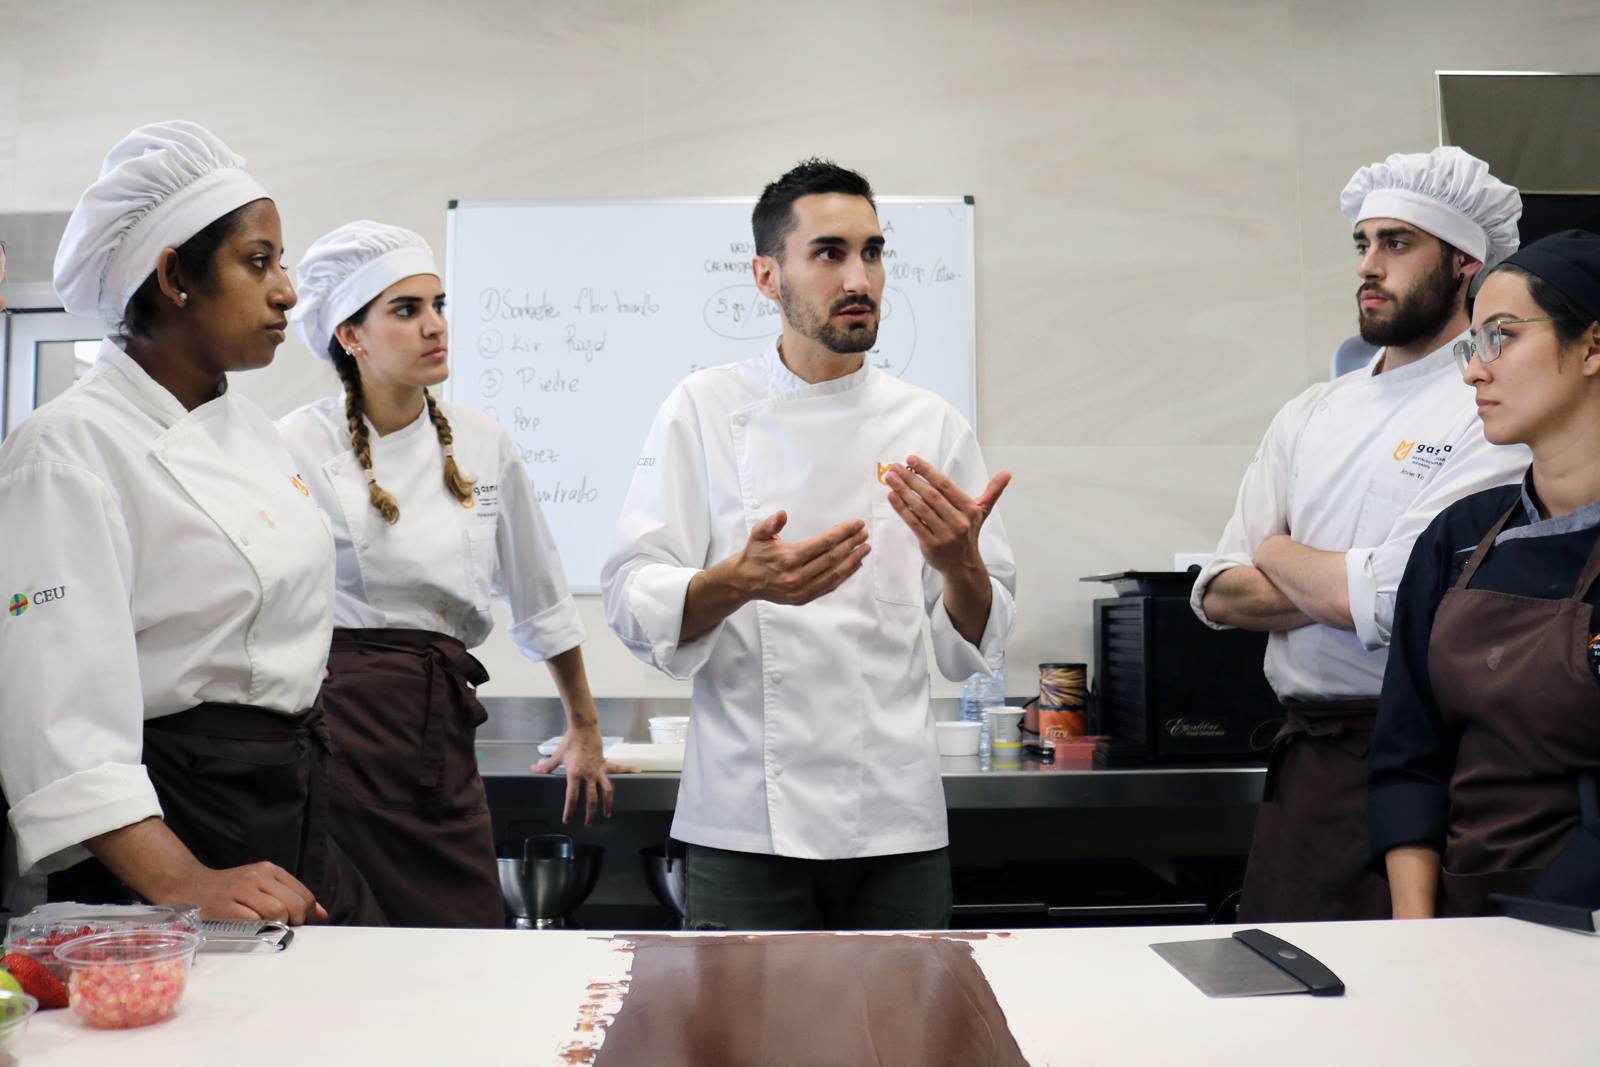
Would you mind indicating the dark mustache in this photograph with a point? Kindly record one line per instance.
(855, 302)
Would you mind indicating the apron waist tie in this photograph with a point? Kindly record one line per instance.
(450, 673)
(1315, 719)
(246, 722)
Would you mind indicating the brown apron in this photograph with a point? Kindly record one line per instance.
(1308, 855)
(1512, 680)
(237, 785)
(408, 803)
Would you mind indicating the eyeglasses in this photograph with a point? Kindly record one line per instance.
(1487, 343)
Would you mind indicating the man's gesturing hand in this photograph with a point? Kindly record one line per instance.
(946, 521)
(798, 572)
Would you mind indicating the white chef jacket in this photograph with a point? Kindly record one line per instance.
(1359, 465)
(167, 557)
(436, 568)
(811, 733)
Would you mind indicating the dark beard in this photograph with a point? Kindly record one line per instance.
(842, 342)
(1421, 313)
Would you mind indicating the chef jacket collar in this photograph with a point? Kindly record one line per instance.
(150, 394)
(1443, 356)
(373, 436)
(783, 380)
(1585, 518)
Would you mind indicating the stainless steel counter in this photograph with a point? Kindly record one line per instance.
(507, 748)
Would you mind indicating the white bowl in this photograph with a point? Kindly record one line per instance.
(959, 737)
(669, 729)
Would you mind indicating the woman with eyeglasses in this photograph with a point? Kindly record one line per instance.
(1487, 748)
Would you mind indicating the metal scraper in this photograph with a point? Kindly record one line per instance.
(1251, 963)
(244, 935)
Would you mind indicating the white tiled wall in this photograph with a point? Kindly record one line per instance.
(1161, 262)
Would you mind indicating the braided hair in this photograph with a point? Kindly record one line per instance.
(344, 362)
(459, 484)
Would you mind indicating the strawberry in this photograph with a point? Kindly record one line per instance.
(36, 980)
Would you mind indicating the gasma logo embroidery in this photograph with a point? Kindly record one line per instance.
(883, 468)
(486, 498)
(298, 484)
(19, 604)
(1419, 461)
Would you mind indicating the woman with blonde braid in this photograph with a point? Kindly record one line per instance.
(432, 511)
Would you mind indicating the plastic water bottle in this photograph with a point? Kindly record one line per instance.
(979, 692)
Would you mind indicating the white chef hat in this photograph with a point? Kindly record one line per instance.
(158, 187)
(1447, 193)
(345, 269)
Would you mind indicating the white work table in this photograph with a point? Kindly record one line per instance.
(1458, 992)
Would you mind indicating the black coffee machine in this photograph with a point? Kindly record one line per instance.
(1167, 687)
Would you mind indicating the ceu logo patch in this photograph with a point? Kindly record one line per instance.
(1404, 449)
(21, 602)
(298, 484)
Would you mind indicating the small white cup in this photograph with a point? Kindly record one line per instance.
(958, 738)
(1005, 727)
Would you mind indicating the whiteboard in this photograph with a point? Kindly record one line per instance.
(571, 321)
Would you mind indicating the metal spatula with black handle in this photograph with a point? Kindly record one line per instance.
(1251, 963)
(244, 935)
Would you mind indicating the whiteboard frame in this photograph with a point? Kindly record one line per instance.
(966, 201)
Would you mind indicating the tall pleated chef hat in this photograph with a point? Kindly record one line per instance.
(1447, 193)
(158, 187)
(346, 268)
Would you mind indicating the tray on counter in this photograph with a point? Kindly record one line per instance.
(1148, 583)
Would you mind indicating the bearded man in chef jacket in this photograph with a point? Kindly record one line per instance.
(795, 525)
(1348, 475)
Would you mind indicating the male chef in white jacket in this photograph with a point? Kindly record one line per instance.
(1349, 473)
(796, 523)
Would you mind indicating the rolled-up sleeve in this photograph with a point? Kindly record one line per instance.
(528, 570)
(1262, 507)
(663, 537)
(1373, 574)
(1413, 752)
(71, 739)
(956, 656)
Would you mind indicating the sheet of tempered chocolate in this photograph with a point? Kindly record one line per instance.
(807, 999)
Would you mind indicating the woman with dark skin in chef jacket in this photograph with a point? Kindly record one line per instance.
(168, 580)
(1488, 735)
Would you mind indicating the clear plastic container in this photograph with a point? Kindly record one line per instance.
(15, 1011)
(38, 933)
(669, 729)
(126, 978)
